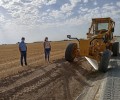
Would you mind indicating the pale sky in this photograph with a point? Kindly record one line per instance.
(36, 19)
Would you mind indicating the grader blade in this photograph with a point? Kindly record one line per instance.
(92, 62)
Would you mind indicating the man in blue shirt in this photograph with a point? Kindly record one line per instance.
(23, 51)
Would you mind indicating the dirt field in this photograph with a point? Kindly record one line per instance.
(9, 55)
(58, 80)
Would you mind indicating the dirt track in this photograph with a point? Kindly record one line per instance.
(59, 80)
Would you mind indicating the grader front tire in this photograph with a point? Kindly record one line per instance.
(103, 65)
(70, 52)
(115, 49)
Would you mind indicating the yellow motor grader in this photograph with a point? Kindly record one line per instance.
(99, 45)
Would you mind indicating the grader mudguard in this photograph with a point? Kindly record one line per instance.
(97, 47)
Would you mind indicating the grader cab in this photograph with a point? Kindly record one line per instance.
(98, 47)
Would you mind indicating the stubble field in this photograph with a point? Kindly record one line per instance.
(58, 80)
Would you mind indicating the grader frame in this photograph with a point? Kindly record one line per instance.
(98, 45)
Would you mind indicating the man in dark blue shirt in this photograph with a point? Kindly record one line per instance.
(23, 51)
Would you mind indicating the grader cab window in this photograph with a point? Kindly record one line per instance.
(103, 26)
(100, 27)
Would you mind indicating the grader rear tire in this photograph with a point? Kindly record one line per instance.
(115, 49)
(103, 65)
(70, 52)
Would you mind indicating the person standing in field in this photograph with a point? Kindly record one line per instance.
(23, 51)
(47, 49)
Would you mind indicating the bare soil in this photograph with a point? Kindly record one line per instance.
(58, 80)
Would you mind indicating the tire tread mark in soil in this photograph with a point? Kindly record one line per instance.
(8, 94)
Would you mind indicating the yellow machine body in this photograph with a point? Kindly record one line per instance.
(84, 47)
(97, 47)
(99, 36)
